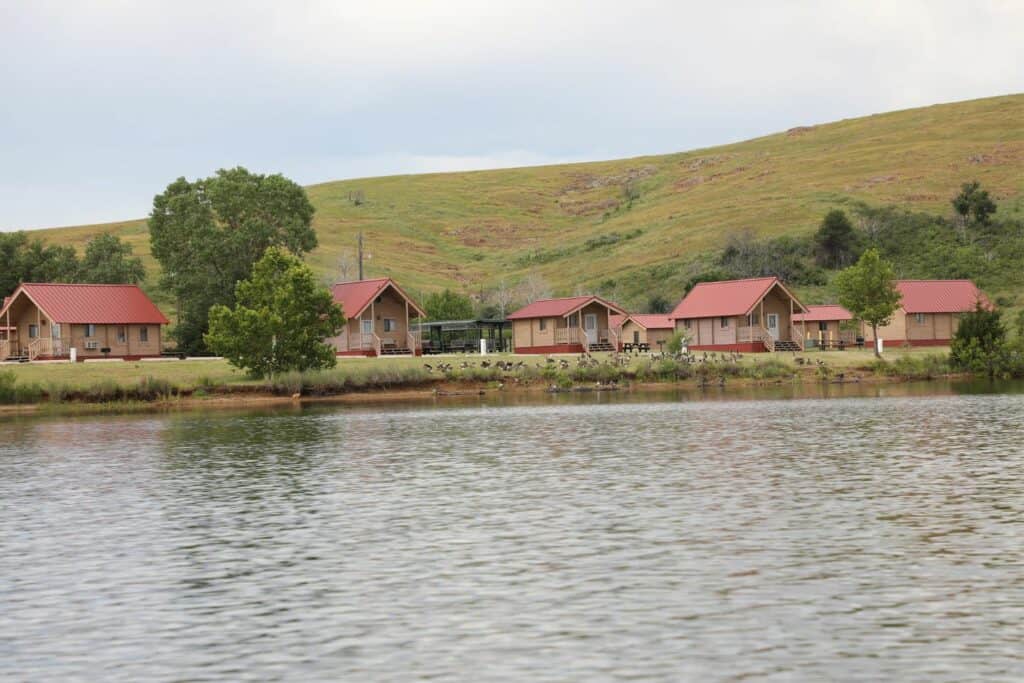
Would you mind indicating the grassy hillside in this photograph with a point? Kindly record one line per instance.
(575, 224)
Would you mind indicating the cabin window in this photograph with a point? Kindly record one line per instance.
(90, 330)
(574, 320)
(33, 331)
(55, 331)
(143, 334)
(636, 336)
(543, 324)
(378, 299)
(122, 334)
(390, 324)
(919, 318)
(724, 323)
(823, 326)
(686, 324)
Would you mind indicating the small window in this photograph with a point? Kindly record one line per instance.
(823, 326)
(919, 318)
(143, 334)
(543, 324)
(390, 324)
(725, 323)
(378, 299)
(90, 330)
(686, 324)
(33, 331)
(574, 320)
(636, 336)
(122, 334)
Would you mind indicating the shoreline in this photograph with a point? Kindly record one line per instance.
(246, 397)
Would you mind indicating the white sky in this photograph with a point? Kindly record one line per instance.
(103, 103)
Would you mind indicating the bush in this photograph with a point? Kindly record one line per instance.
(11, 391)
(675, 343)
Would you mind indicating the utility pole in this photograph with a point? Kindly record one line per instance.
(360, 256)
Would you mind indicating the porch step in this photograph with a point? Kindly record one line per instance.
(395, 352)
(790, 346)
(600, 347)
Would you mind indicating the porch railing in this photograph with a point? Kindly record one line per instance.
(568, 335)
(612, 336)
(5, 349)
(413, 342)
(40, 347)
(753, 334)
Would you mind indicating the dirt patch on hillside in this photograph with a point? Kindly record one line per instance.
(587, 207)
(585, 182)
(494, 233)
(800, 130)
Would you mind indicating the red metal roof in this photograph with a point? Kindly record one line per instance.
(940, 296)
(559, 308)
(354, 297)
(652, 321)
(823, 313)
(727, 298)
(616, 320)
(96, 304)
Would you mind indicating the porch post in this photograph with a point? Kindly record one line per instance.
(790, 326)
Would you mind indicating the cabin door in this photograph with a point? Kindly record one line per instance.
(590, 327)
(772, 322)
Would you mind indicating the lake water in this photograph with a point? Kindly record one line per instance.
(592, 538)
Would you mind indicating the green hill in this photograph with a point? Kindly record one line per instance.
(636, 225)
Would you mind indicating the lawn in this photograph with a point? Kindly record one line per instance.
(192, 373)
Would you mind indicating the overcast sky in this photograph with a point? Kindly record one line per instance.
(103, 103)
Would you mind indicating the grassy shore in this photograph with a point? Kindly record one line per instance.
(204, 379)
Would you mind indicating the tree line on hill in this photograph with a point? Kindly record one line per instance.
(970, 243)
(106, 260)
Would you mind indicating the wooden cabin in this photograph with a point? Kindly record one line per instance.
(750, 315)
(648, 330)
(828, 326)
(379, 319)
(929, 312)
(46, 320)
(567, 325)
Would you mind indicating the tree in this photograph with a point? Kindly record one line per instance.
(868, 290)
(658, 304)
(836, 242)
(108, 260)
(208, 234)
(979, 343)
(448, 305)
(24, 260)
(502, 298)
(280, 319)
(534, 287)
(973, 203)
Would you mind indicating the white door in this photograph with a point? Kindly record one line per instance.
(590, 327)
(772, 320)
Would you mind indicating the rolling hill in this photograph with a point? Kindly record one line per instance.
(635, 225)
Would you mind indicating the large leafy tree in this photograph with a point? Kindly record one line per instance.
(868, 290)
(25, 260)
(448, 305)
(280, 319)
(979, 343)
(108, 260)
(836, 241)
(207, 235)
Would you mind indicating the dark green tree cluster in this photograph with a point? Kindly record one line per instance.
(980, 345)
(448, 305)
(207, 234)
(107, 260)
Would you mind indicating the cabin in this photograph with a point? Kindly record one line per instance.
(645, 331)
(379, 319)
(567, 325)
(749, 315)
(929, 312)
(829, 326)
(45, 321)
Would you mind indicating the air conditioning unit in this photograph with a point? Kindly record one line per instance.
(92, 345)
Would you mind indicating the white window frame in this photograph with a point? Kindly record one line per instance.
(919, 318)
(143, 334)
(33, 331)
(90, 330)
(390, 324)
